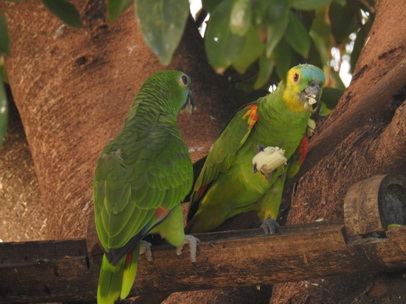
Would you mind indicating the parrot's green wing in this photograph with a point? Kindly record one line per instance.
(141, 178)
(224, 150)
(133, 193)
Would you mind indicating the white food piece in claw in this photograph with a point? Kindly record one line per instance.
(269, 159)
(192, 242)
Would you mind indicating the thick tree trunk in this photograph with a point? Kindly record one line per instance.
(21, 209)
(73, 88)
(376, 145)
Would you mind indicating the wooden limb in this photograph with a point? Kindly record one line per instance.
(234, 258)
(373, 204)
(355, 116)
(61, 271)
(393, 156)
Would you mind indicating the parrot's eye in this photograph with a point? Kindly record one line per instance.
(184, 80)
(296, 77)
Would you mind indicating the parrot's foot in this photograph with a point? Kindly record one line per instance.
(192, 242)
(270, 226)
(145, 248)
(268, 159)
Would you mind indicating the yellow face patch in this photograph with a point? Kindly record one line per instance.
(291, 95)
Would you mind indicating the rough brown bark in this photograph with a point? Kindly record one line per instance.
(51, 271)
(73, 88)
(374, 146)
(19, 191)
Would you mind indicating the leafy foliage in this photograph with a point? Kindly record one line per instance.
(4, 39)
(254, 41)
(162, 25)
(116, 7)
(279, 34)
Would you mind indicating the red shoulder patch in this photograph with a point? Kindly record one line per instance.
(251, 114)
(160, 213)
(202, 190)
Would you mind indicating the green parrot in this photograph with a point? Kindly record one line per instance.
(261, 145)
(141, 178)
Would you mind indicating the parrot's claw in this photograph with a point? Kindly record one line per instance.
(270, 226)
(192, 242)
(145, 248)
(260, 148)
(268, 176)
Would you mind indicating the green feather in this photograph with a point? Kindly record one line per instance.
(226, 184)
(110, 281)
(146, 167)
(129, 273)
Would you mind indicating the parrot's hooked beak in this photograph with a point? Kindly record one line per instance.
(189, 104)
(310, 96)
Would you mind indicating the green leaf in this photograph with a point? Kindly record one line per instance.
(116, 7)
(222, 46)
(343, 21)
(266, 66)
(320, 34)
(65, 11)
(297, 36)
(329, 100)
(337, 81)
(3, 113)
(162, 25)
(275, 11)
(252, 49)
(240, 19)
(275, 33)
(276, 21)
(308, 4)
(341, 2)
(210, 5)
(4, 39)
(314, 56)
(3, 73)
(282, 56)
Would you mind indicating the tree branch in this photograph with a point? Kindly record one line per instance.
(355, 116)
(35, 271)
(68, 271)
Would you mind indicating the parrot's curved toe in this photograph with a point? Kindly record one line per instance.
(270, 226)
(192, 242)
(145, 248)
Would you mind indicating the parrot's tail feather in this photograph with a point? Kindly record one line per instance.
(129, 271)
(110, 281)
(116, 281)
